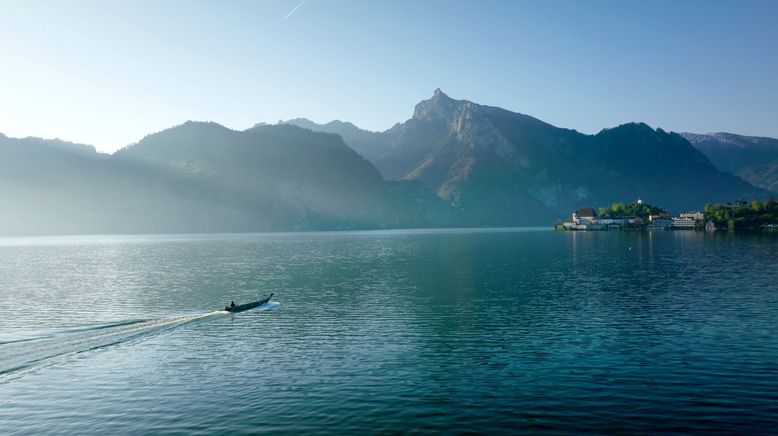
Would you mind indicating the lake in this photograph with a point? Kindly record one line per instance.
(489, 331)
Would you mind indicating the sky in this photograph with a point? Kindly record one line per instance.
(109, 72)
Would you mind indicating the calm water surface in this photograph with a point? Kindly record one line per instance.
(382, 332)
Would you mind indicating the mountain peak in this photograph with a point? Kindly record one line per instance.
(438, 107)
(439, 94)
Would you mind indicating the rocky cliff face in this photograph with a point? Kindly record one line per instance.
(439, 107)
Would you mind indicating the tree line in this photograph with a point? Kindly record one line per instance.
(742, 215)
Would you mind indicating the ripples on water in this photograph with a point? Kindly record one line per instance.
(484, 331)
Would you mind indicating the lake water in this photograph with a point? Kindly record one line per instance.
(496, 331)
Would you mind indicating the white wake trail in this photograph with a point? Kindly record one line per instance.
(21, 355)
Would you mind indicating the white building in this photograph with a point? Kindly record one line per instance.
(585, 215)
(661, 224)
(697, 216)
(683, 223)
(610, 221)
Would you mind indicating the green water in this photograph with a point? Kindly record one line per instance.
(494, 331)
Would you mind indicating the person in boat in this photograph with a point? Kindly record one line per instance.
(232, 304)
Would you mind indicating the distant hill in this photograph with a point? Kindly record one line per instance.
(752, 158)
(197, 177)
(49, 186)
(368, 144)
(290, 177)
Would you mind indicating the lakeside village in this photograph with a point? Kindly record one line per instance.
(639, 216)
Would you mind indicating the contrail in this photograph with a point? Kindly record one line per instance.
(295, 9)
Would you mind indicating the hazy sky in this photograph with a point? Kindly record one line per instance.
(109, 72)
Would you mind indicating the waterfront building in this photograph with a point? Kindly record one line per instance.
(635, 220)
(697, 216)
(585, 215)
(584, 219)
(660, 224)
(658, 216)
(683, 223)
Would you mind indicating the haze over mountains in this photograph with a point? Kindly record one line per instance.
(196, 177)
(753, 158)
(453, 163)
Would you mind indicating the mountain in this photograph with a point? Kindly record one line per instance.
(666, 169)
(291, 177)
(429, 207)
(388, 150)
(506, 168)
(499, 167)
(48, 186)
(196, 177)
(368, 144)
(752, 158)
(762, 175)
(453, 163)
(460, 149)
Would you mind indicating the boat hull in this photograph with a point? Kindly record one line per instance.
(247, 306)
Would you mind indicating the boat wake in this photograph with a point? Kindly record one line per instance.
(29, 351)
